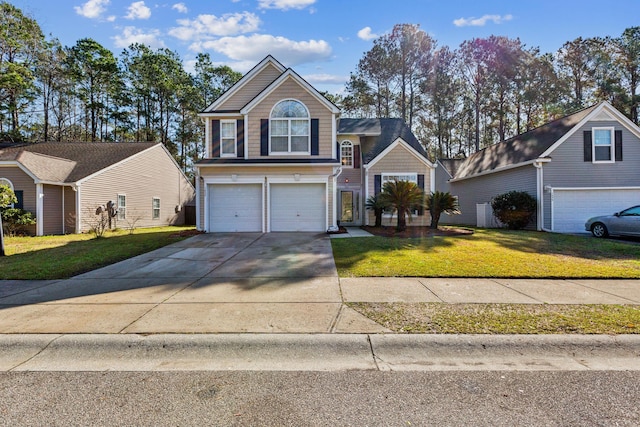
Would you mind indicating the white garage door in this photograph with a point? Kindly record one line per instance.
(572, 208)
(235, 207)
(298, 207)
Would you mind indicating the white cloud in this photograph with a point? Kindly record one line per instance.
(284, 4)
(366, 34)
(481, 22)
(255, 47)
(328, 79)
(138, 10)
(211, 25)
(132, 35)
(92, 8)
(180, 7)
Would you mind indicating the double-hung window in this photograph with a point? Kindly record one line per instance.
(289, 128)
(411, 177)
(228, 138)
(122, 206)
(346, 153)
(603, 146)
(155, 208)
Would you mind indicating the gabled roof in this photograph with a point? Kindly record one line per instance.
(69, 162)
(373, 144)
(522, 148)
(451, 165)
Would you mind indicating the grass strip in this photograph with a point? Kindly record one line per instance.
(61, 257)
(439, 318)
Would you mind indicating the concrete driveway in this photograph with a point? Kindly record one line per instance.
(211, 283)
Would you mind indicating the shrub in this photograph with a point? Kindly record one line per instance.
(439, 202)
(16, 220)
(377, 205)
(515, 209)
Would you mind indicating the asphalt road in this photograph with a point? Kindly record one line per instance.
(344, 398)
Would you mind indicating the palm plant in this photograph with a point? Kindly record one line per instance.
(402, 197)
(377, 205)
(439, 202)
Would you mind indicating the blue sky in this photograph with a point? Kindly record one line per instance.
(321, 39)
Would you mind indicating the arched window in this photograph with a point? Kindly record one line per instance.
(346, 153)
(5, 181)
(289, 128)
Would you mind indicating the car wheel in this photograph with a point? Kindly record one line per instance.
(599, 230)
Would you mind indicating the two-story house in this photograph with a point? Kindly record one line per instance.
(279, 158)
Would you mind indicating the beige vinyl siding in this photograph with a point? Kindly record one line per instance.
(399, 160)
(52, 208)
(21, 181)
(149, 174)
(290, 89)
(484, 188)
(251, 89)
(69, 210)
(266, 173)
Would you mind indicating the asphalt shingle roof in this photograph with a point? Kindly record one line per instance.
(69, 162)
(373, 144)
(522, 148)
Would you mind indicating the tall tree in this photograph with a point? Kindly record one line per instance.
(627, 60)
(20, 41)
(575, 64)
(211, 80)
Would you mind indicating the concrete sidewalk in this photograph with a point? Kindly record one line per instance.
(255, 283)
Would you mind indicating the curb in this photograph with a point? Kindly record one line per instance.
(317, 352)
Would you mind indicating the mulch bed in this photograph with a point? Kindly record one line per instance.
(417, 231)
(187, 233)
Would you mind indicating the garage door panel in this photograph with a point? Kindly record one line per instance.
(572, 208)
(298, 207)
(235, 207)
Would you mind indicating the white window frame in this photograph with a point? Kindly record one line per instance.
(153, 208)
(400, 176)
(7, 182)
(235, 138)
(346, 144)
(122, 210)
(612, 152)
(289, 120)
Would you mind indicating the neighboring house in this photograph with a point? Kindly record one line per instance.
(579, 166)
(63, 183)
(279, 158)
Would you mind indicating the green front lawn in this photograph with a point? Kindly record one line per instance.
(59, 257)
(488, 253)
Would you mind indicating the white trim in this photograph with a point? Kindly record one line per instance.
(303, 179)
(612, 144)
(231, 180)
(207, 139)
(279, 81)
(303, 164)
(235, 138)
(78, 210)
(352, 153)
(432, 179)
(20, 166)
(39, 209)
(124, 217)
(216, 115)
(382, 175)
(246, 136)
(63, 227)
(393, 145)
(501, 169)
(198, 189)
(244, 80)
(604, 105)
(289, 135)
(153, 208)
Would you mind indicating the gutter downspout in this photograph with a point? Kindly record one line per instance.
(39, 210)
(334, 177)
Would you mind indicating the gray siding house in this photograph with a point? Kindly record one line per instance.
(579, 166)
(63, 183)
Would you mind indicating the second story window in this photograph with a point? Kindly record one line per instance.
(346, 153)
(289, 128)
(228, 138)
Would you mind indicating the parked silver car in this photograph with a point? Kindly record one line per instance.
(623, 223)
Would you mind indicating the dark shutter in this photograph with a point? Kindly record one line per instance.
(20, 196)
(264, 137)
(215, 138)
(421, 185)
(587, 146)
(356, 156)
(240, 138)
(377, 184)
(618, 147)
(315, 137)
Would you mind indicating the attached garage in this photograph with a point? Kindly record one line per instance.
(235, 207)
(298, 207)
(571, 207)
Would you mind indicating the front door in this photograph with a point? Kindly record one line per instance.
(350, 207)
